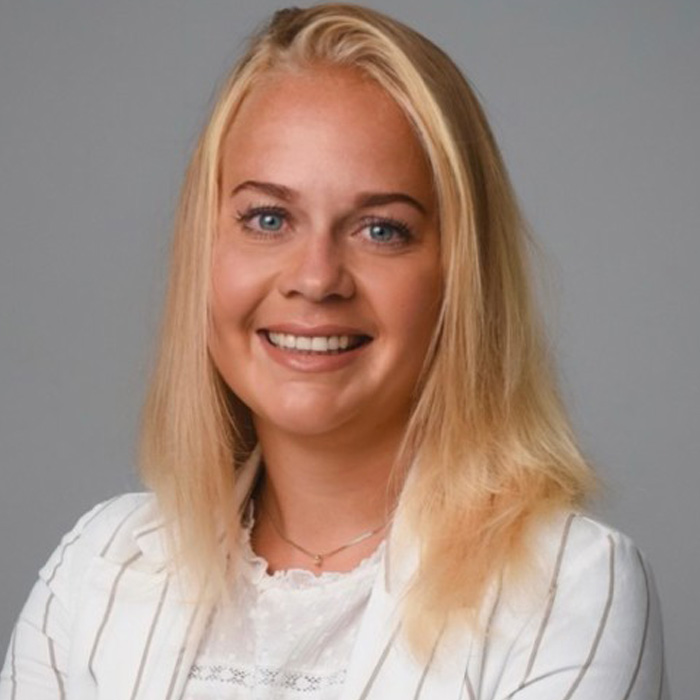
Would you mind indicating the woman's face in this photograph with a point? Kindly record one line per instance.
(326, 276)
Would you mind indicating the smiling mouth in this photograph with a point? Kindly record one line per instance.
(316, 344)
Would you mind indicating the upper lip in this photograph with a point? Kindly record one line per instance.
(327, 330)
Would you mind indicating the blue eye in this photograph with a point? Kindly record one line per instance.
(382, 233)
(263, 219)
(270, 222)
(388, 232)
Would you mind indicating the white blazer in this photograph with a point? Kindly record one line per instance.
(106, 620)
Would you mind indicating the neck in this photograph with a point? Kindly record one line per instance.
(317, 476)
(322, 493)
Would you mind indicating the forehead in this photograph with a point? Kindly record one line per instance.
(332, 118)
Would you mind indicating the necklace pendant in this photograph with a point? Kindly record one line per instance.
(318, 560)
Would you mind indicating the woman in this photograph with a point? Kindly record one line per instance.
(363, 482)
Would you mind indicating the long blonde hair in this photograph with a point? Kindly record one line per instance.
(488, 439)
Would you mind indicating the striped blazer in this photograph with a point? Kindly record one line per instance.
(108, 620)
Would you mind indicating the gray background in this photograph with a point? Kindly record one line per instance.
(596, 106)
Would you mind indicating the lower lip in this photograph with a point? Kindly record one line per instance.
(301, 361)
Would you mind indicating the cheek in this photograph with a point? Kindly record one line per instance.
(236, 289)
(225, 283)
(413, 305)
(224, 301)
(232, 298)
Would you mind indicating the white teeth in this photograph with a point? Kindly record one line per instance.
(303, 343)
(317, 343)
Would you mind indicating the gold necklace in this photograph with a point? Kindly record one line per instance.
(320, 557)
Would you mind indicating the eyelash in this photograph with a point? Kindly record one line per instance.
(402, 229)
(245, 217)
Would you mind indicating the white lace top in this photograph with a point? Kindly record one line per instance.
(287, 635)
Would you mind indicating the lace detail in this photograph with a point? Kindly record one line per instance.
(256, 677)
(284, 636)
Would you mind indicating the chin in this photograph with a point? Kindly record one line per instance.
(300, 409)
(301, 422)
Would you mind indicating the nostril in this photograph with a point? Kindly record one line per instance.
(318, 280)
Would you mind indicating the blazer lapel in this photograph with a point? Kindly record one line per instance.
(140, 624)
(382, 667)
(375, 639)
(379, 639)
(136, 628)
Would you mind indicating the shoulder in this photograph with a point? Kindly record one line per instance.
(101, 518)
(103, 521)
(593, 572)
(106, 528)
(590, 558)
(598, 624)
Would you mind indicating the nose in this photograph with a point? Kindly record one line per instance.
(318, 270)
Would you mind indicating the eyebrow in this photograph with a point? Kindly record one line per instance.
(363, 201)
(278, 191)
(377, 199)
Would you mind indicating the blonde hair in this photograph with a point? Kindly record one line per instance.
(488, 439)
